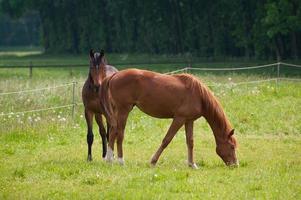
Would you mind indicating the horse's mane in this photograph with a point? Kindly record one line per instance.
(212, 108)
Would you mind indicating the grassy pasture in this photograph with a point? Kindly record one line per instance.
(43, 155)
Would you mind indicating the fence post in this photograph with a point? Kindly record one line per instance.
(71, 71)
(73, 98)
(30, 69)
(190, 62)
(278, 74)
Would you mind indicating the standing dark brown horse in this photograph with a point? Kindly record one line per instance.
(181, 97)
(90, 95)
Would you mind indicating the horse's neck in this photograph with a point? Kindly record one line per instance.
(218, 122)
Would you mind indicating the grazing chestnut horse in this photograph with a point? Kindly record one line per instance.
(90, 96)
(181, 97)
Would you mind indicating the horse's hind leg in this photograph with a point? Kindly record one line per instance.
(108, 130)
(102, 133)
(110, 152)
(173, 129)
(90, 136)
(118, 132)
(189, 142)
(122, 118)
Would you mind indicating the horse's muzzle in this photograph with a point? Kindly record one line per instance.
(233, 164)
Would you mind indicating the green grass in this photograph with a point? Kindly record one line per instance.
(43, 155)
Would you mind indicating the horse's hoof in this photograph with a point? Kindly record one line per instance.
(193, 165)
(109, 155)
(121, 161)
(89, 159)
(109, 159)
(153, 163)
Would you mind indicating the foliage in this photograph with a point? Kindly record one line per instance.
(218, 28)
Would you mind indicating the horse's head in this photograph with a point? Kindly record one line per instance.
(97, 65)
(226, 150)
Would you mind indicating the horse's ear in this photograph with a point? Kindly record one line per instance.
(102, 53)
(231, 133)
(91, 53)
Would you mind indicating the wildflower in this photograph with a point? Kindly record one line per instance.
(229, 78)
(50, 138)
(63, 119)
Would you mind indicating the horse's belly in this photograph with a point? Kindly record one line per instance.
(155, 111)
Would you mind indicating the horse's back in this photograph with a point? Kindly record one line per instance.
(110, 70)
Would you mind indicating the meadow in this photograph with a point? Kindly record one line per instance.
(43, 154)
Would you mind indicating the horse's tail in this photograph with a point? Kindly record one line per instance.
(106, 101)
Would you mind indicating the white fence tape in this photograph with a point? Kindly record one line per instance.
(290, 79)
(36, 110)
(36, 90)
(232, 69)
(243, 83)
(172, 72)
(176, 71)
(291, 65)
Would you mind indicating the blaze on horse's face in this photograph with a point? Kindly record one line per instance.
(226, 150)
(96, 62)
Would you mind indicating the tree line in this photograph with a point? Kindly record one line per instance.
(261, 29)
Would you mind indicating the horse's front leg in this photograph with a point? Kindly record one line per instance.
(189, 142)
(117, 131)
(90, 136)
(173, 129)
(121, 123)
(102, 133)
